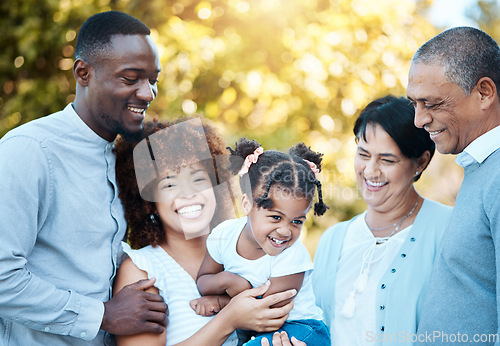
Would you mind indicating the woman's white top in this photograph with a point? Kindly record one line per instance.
(177, 287)
(362, 264)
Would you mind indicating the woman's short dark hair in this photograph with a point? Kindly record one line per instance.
(396, 116)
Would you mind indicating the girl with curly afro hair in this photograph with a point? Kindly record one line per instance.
(175, 187)
(181, 143)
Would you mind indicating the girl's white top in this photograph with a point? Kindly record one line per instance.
(177, 287)
(221, 245)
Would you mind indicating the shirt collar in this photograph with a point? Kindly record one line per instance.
(86, 131)
(480, 148)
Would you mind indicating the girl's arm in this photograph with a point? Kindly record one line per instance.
(283, 283)
(128, 273)
(212, 279)
(244, 312)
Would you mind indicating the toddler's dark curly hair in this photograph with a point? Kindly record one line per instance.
(143, 224)
(288, 171)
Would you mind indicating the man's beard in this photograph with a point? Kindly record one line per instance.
(132, 137)
(128, 136)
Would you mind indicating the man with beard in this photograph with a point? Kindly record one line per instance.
(61, 222)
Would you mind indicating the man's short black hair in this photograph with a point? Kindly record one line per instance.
(95, 34)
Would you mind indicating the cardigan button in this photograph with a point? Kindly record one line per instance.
(382, 307)
(403, 255)
(393, 270)
(412, 239)
(383, 286)
(382, 329)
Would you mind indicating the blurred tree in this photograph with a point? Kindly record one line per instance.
(487, 14)
(277, 71)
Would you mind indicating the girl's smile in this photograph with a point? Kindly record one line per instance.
(270, 231)
(191, 211)
(278, 242)
(186, 200)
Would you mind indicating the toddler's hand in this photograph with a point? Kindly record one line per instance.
(209, 305)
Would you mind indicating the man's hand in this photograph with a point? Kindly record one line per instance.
(133, 311)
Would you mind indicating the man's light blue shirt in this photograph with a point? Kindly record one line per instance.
(61, 226)
(462, 296)
(479, 149)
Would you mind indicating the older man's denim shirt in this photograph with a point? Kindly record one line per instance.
(61, 224)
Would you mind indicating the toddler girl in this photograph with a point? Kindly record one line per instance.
(278, 190)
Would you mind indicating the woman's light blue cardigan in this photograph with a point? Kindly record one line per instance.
(402, 289)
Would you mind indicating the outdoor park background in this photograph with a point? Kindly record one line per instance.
(279, 71)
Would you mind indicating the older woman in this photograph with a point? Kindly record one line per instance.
(371, 272)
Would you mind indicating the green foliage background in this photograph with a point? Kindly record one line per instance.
(277, 71)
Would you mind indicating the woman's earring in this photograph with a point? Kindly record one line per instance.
(153, 218)
(416, 173)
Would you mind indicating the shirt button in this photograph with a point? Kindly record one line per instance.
(403, 255)
(393, 270)
(47, 329)
(383, 286)
(83, 334)
(382, 307)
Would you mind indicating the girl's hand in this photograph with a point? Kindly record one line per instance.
(234, 283)
(209, 305)
(281, 339)
(245, 311)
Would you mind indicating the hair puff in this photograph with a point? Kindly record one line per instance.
(242, 149)
(304, 152)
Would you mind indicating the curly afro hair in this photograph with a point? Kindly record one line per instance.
(144, 226)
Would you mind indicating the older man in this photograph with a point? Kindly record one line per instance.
(453, 83)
